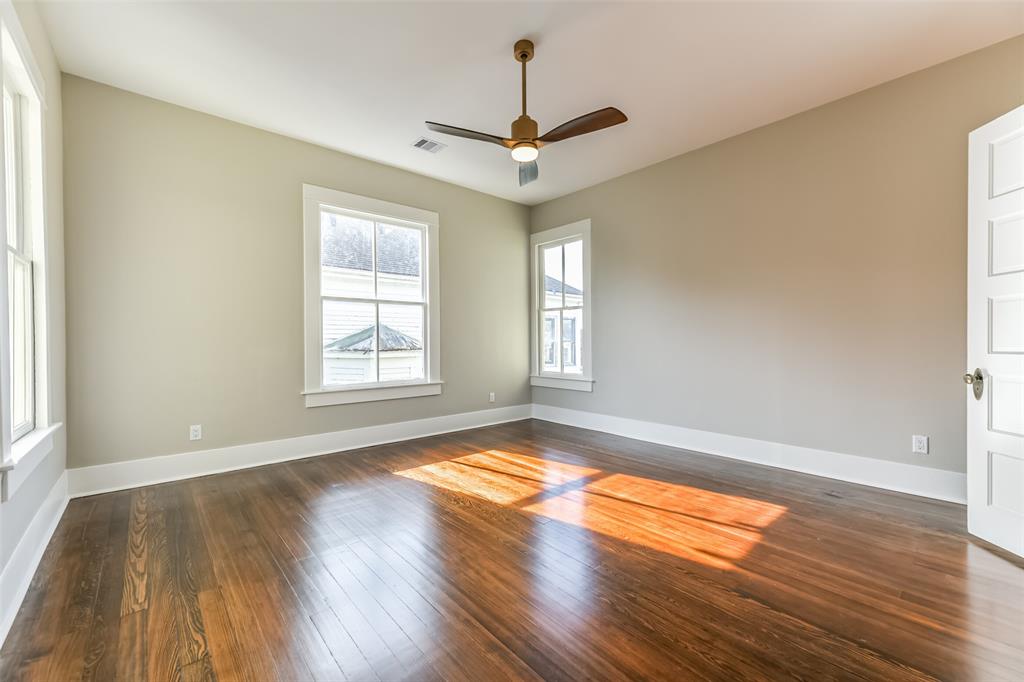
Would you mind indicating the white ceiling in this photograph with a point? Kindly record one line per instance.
(362, 77)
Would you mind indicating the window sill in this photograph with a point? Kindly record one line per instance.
(567, 383)
(366, 394)
(26, 454)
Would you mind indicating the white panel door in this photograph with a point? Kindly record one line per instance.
(995, 332)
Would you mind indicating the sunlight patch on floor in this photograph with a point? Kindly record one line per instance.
(712, 528)
(496, 476)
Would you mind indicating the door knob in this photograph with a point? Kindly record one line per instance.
(976, 381)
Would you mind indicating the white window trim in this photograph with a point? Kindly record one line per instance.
(28, 453)
(16, 40)
(316, 395)
(21, 74)
(573, 382)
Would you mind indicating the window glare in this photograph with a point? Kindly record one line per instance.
(10, 171)
(553, 279)
(573, 273)
(399, 263)
(346, 256)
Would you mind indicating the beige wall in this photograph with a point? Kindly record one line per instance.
(17, 513)
(184, 281)
(804, 283)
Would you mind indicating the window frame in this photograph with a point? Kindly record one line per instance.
(575, 381)
(344, 203)
(25, 449)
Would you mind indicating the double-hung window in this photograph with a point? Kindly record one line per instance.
(560, 343)
(372, 318)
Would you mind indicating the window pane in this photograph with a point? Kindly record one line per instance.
(574, 273)
(10, 172)
(350, 342)
(401, 342)
(399, 263)
(346, 256)
(552, 258)
(19, 280)
(549, 340)
(572, 341)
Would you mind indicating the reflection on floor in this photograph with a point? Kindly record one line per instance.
(523, 551)
(692, 523)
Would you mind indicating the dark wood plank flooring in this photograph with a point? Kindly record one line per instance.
(523, 551)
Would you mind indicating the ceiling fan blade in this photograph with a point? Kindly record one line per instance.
(468, 134)
(587, 123)
(528, 172)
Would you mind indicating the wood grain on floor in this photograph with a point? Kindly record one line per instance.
(523, 551)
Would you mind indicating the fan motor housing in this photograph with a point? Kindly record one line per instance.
(524, 128)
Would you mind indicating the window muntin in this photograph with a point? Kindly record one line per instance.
(561, 275)
(21, 314)
(373, 295)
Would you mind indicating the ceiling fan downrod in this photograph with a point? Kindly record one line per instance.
(524, 128)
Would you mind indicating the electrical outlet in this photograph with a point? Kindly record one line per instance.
(195, 432)
(490, 398)
(919, 444)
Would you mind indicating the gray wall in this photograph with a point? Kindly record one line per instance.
(17, 513)
(803, 283)
(184, 281)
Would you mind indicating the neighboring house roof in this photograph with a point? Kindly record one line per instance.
(555, 286)
(345, 245)
(362, 341)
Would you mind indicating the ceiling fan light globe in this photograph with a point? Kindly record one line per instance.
(524, 153)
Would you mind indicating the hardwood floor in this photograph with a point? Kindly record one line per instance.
(523, 551)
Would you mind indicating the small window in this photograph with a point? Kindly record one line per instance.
(372, 318)
(561, 276)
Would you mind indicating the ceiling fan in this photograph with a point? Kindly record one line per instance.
(524, 142)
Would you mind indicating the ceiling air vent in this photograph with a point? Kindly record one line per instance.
(428, 145)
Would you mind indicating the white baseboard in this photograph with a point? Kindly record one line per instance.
(17, 574)
(105, 478)
(905, 478)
